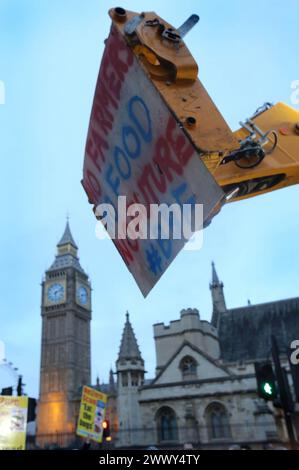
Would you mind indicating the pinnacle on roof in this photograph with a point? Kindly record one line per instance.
(111, 380)
(129, 348)
(215, 279)
(67, 237)
(67, 252)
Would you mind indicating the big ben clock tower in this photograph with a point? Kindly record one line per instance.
(65, 349)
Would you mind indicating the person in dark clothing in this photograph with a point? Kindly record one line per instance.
(86, 445)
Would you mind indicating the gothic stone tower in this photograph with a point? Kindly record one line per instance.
(130, 376)
(218, 299)
(65, 348)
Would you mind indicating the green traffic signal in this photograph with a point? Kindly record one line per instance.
(265, 378)
(268, 388)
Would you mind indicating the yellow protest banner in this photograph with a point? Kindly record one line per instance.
(13, 422)
(92, 414)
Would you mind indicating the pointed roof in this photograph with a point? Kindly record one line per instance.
(111, 381)
(226, 372)
(215, 279)
(67, 237)
(129, 348)
(67, 255)
(245, 332)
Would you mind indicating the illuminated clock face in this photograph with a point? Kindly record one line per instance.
(56, 292)
(82, 295)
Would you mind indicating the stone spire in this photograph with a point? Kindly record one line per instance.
(218, 299)
(215, 279)
(128, 347)
(111, 377)
(111, 381)
(67, 237)
(130, 377)
(67, 252)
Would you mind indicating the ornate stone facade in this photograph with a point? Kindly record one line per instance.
(204, 391)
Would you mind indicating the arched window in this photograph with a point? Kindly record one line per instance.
(134, 379)
(124, 379)
(188, 366)
(167, 424)
(218, 422)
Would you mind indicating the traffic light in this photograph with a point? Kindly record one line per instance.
(106, 430)
(265, 378)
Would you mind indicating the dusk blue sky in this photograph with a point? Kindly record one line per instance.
(50, 52)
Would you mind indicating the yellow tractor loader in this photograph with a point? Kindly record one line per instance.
(263, 155)
(156, 138)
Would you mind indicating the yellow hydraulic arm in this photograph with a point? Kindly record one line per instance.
(280, 165)
(261, 156)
